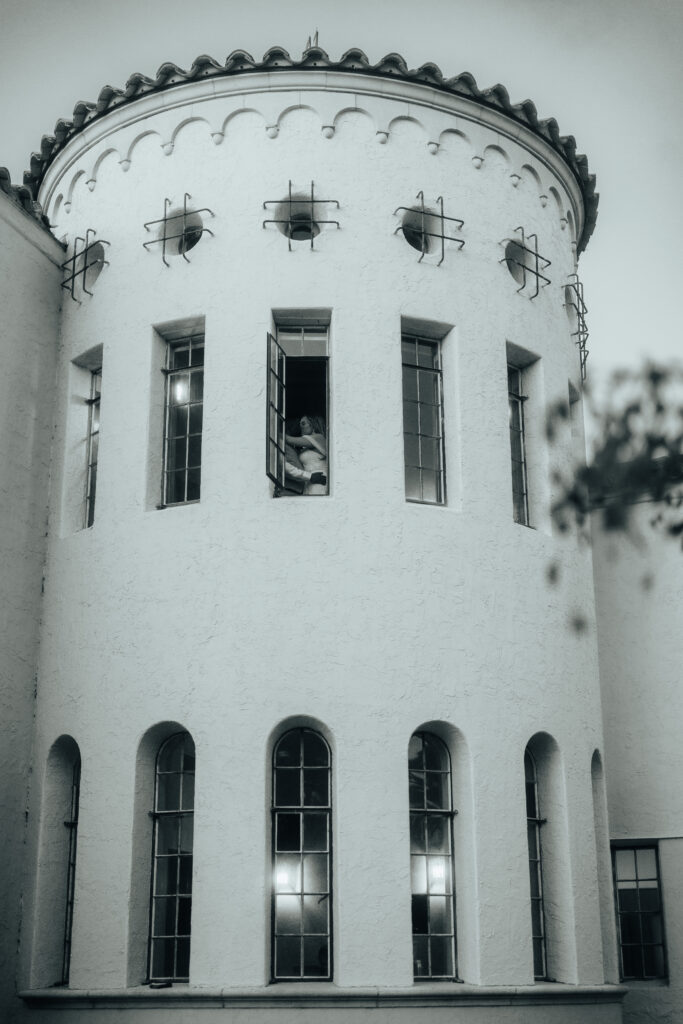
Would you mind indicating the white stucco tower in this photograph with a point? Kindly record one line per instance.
(390, 257)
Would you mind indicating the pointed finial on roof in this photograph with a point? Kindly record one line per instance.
(315, 40)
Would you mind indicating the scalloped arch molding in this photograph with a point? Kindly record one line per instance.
(450, 143)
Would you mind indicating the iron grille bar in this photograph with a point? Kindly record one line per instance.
(424, 214)
(181, 234)
(539, 263)
(574, 296)
(72, 273)
(292, 201)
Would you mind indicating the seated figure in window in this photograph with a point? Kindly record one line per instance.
(310, 445)
(297, 449)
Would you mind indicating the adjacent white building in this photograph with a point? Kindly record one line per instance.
(296, 722)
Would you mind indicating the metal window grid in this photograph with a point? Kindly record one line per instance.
(290, 220)
(80, 257)
(72, 825)
(534, 823)
(171, 881)
(425, 214)
(93, 441)
(574, 295)
(182, 234)
(183, 420)
(538, 263)
(423, 433)
(640, 924)
(520, 493)
(301, 914)
(431, 858)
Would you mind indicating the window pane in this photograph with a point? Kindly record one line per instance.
(164, 915)
(651, 925)
(287, 957)
(180, 357)
(166, 881)
(193, 484)
(411, 449)
(410, 418)
(196, 418)
(438, 874)
(440, 916)
(409, 384)
(187, 792)
(417, 834)
(183, 958)
(184, 915)
(288, 915)
(185, 874)
(288, 752)
(413, 484)
(315, 957)
(653, 961)
(287, 787)
(415, 753)
(628, 897)
(420, 915)
(162, 958)
(287, 873)
(426, 353)
(315, 787)
(315, 750)
(186, 831)
(649, 896)
(418, 868)
(315, 914)
(416, 789)
(197, 386)
(438, 834)
(288, 832)
(632, 961)
(442, 957)
(315, 831)
(431, 491)
(420, 956)
(409, 350)
(646, 861)
(315, 872)
(194, 451)
(167, 835)
(168, 792)
(428, 389)
(438, 796)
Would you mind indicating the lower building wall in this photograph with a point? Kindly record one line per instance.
(544, 1004)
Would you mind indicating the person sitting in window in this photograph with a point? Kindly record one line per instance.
(312, 451)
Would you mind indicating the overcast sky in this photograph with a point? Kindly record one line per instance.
(609, 71)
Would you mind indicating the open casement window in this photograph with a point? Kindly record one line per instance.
(297, 407)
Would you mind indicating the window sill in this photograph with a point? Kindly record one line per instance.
(326, 994)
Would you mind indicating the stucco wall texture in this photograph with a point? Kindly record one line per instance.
(29, 259)
(362, 614)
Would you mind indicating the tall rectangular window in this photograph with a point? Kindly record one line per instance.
(534, 821)
(93, 444)
(297, 439)
(72, 825)
(183, 420)
(639, 912)
(425, 476)
(302, 858)
(516, 399)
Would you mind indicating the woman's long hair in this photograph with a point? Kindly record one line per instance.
(317, 424)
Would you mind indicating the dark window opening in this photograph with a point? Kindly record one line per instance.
(297, 442)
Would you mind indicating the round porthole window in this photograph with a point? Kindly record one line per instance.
(421, 229)
(515, 259)
(183, 229)
(296, 218)
(91, 262)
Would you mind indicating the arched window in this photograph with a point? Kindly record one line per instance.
(171, 903)
(533, 826)
(72, 826)
(431, 857)
(56, 874)
(302, 844)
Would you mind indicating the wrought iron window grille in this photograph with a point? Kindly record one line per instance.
(527, 246)
(426, 217)
(77, 266)
(301, 222)
(189, 234)
(573, 294)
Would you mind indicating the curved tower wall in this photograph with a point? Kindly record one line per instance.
(359, 611)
